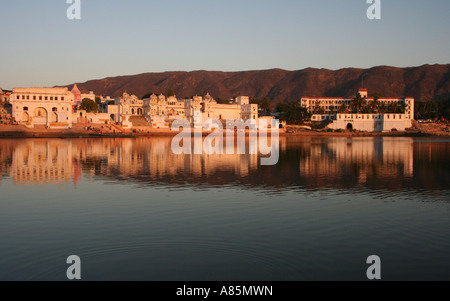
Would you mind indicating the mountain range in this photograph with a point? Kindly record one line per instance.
(427, 82)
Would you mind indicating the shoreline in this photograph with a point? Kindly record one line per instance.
(113, 131)
(17, 133)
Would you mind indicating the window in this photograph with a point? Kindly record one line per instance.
(40, 97)
(46, 98)
(56, 97)
(62, 98)
(25, 108)
(55, 110)
(34, 97)
(18, 96)
(23, 97)
(28, 97)
(51, 97)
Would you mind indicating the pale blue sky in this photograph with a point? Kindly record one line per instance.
(41, 47)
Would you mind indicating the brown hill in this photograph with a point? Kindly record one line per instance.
(424, 83)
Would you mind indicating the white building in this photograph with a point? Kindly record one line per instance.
(159, 110)
(373, 115)
(210, 109)
(51, 107)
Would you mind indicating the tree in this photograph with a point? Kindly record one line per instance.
(291, 113)
(358, 103)
(317, 108)
(433, 109)
(266, 105)
(343, 108)
(89, 105)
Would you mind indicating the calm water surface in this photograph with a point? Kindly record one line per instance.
(132, 210)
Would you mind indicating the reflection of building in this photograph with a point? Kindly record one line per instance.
(51, 107)
(382, 163)
(386, 157)
(154, 158)
(386, 113)
(43, 162)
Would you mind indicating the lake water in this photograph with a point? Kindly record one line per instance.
(132, 210)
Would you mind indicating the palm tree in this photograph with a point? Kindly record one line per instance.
(357, 103)
(317, 108)
(382, 108)
(266, 105)
(343, 108)
(375, 104)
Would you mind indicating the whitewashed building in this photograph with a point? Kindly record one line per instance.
(51, 107)
(159, 110)
(338, 111)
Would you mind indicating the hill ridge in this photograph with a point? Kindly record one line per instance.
(424, 83)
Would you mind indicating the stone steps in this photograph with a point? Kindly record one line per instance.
(139, 121)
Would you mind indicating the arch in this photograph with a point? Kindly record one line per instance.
(132, 111)
(139, 111)
(350, 127)
(25, 117)
(54, 117)
(40, 116)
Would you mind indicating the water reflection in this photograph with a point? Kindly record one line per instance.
(312, 163)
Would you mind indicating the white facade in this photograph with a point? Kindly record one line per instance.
(160, 110)
(124, 107)
(338, 111)
(51, 107)
(371, 122)
(210, 109)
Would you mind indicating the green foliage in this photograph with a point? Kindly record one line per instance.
(89, 105)
(266, 105)
(292, 114)
(433, 109)
(358, 104)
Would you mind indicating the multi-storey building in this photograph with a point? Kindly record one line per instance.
(363, 113)
(158, 109)
(51, 107)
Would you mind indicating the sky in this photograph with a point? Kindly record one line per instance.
(40, 46)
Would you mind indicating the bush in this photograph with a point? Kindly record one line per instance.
(89, 105)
